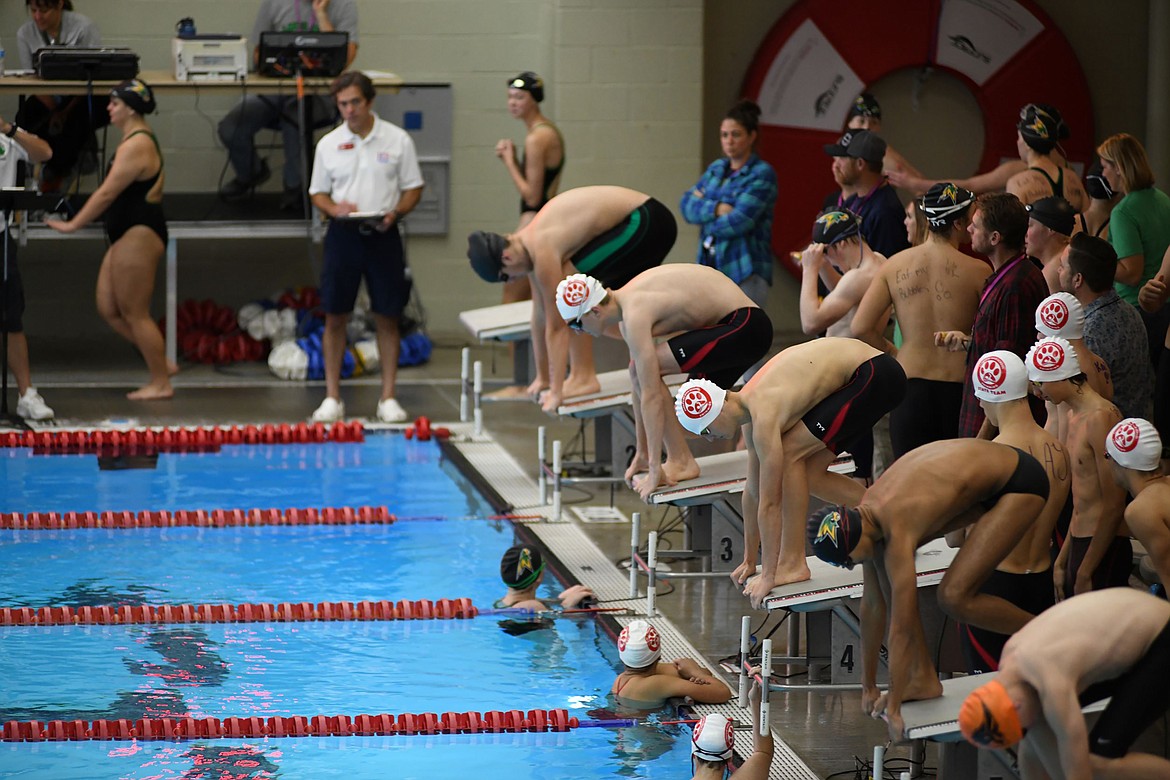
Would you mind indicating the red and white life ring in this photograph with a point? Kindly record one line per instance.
(820, 55)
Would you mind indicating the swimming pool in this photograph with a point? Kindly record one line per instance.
(311, 668)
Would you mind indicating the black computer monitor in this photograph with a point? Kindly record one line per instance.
(309, 53)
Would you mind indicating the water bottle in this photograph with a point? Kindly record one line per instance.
(186, 28)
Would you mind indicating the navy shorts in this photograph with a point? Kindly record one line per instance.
(351, 253)
(13, 292)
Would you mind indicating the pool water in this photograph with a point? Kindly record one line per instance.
(311, 668)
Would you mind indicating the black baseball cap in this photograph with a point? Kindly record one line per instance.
(860, 144)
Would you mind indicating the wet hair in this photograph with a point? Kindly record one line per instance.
(1128, 156)
(353, 78)
(713, 766)
(746, 113)
(66, 5)
(1094, 259)
(1003, 213)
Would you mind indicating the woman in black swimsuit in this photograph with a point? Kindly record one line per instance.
(131, 198)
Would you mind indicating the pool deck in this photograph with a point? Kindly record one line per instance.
(826, 731)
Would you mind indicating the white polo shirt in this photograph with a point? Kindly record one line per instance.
(10, 154)
(372, 172)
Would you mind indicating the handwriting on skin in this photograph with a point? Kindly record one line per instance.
(911, 282)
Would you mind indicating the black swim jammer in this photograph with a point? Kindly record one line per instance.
(722, 352)
(639, 242)
(876, 387)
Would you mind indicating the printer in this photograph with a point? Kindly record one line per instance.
(210, 57)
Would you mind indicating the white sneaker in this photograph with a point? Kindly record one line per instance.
(390, 412)
(330, 410)
(31, 406)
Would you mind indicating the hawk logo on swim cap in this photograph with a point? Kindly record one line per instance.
(1054, 313)
(1048, 356)
(950, 192)
(1038, 127)
(1125, 435)
(832, 218)
(830, 525)
(575, 292)
(991, 371)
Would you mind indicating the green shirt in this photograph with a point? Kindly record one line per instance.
(1140, 225)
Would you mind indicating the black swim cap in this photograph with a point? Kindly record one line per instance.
(521, 566)
(1096, 185)
(486, 252)
(137, 94)
(529, 82)
(1053, 213)
(1041, 127)
(866, 104)
(836, 535)
(944, 201)
(834, 226)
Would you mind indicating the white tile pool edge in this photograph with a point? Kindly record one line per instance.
(590, 566)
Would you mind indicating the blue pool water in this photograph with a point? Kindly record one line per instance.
(91, 672)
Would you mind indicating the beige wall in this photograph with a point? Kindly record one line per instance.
(624, 84)
(638, 86)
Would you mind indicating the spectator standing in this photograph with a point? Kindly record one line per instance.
(369, 166)
(732, 204)
(1112, 329)
(1007, 305)
(857, 169)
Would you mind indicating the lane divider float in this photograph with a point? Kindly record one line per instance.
(229, 518)
(180, 439)
(492, 722)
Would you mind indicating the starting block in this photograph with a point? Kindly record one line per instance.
(508, 322)
(938, 720)
(829, 604)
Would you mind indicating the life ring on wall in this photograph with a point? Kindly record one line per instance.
(820, 55)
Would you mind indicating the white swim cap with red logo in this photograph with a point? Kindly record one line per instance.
(1060, 314)
(713, 738)
(698, 403)
(1000, 376)
(577, 294)
(1051, 360)
(639, 645)
(1134, 444)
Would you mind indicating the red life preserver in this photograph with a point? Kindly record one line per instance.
(820, 55)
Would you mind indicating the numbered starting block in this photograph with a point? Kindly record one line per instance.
(829, 604)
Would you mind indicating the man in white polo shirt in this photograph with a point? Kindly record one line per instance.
(366, 179)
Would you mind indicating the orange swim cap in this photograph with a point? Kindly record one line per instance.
(989, 719)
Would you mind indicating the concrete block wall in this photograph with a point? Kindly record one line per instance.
(624, 83)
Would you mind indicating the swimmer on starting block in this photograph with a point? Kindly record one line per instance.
(800, 410)
(715, 335)
(611, 233)
(648, 682)
(937, 488)
(522, 570)
(1108, 643)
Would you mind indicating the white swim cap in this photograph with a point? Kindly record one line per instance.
(639, 645)
(1000, 376)
(1061, 314)
(577, 294)
(713, 738)
(698, 403)
(1135, 444)
(1051, 360)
